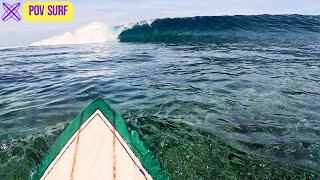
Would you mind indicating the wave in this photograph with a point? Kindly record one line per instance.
(207, 29)
(219, 28)
(95, 32)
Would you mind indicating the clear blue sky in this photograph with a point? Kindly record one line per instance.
(117, 12)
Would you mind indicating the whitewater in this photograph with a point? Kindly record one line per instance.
(95, 32)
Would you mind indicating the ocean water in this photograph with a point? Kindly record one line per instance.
(231, 97)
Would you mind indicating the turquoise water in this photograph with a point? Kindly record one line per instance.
(244, 109)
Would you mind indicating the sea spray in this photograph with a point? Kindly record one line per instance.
(95, 32)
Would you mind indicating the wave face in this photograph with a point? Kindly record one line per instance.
(95, 32)
(221, 28)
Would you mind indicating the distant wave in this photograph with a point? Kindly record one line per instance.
(95, 32)
(211, 29)
(219, 28)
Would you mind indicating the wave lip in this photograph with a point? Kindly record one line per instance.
(95, 32)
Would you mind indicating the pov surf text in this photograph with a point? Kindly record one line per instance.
(48, 11)
(52, 10)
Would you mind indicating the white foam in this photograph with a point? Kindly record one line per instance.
(131, 25)
(95, 32)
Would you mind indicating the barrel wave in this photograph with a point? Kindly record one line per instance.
(224, 29)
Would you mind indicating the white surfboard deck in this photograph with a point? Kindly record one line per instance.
(96, 152)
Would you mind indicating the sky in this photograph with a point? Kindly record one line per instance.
(118, 12)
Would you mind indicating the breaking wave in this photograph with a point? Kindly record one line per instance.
(221, 28)
(96, 32)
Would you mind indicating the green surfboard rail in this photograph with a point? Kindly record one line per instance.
(131, 137)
